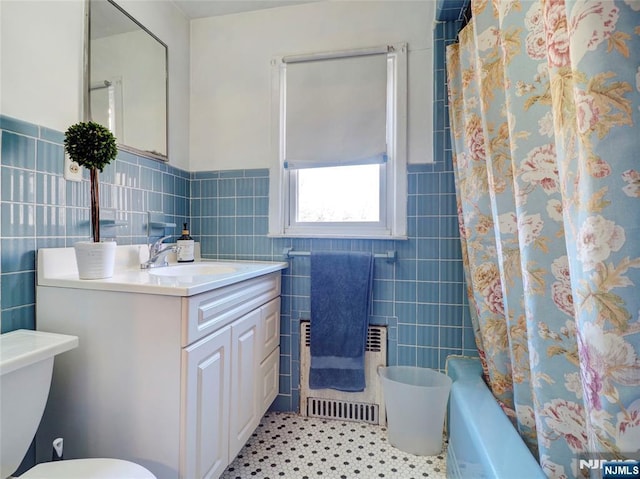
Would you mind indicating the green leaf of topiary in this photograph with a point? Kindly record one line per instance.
(90, 145)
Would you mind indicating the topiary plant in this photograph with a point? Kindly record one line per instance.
(93, 146)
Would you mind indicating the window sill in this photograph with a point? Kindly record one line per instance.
(338, 236)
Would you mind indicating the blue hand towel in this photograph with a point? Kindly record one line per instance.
(340, 296)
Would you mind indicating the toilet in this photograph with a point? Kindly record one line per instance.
(26, 368)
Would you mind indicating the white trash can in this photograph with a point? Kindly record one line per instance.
(416, 403)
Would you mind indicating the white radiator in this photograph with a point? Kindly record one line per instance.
(363, 406)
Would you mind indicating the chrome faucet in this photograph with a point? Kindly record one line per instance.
(158, 254)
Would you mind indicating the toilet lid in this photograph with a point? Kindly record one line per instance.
(88, 469)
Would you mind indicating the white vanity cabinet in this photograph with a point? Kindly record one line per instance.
(175, 383)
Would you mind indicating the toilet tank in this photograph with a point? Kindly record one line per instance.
(26, 366)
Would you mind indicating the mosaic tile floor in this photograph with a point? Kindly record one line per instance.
(296, 447)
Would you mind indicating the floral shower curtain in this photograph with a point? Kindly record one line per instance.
(544, 103)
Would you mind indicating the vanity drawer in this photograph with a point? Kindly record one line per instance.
(205, 313)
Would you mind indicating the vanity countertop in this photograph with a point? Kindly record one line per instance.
(57, 268)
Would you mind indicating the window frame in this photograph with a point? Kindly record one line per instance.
(393, 172)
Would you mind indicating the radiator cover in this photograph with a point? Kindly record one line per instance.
(364, 406)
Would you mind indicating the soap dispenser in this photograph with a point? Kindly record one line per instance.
(186, 246)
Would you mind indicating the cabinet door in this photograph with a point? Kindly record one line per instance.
(245, 348)
(205, 428)
(269, 379)
(270, 327)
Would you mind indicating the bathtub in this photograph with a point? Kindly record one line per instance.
(482, 441)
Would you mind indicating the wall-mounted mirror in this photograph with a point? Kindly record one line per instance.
(127, 82)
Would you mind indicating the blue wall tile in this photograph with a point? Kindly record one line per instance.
(227, 187)
(450, 337)
(50, 221)
(50, 189)
(407, 355)
(448, 10)
(428, 336)
(18, 150)
(451, 314)
(50, 157)
(18, 185)
(407, 334)
(428, 270)
(18, 126)
(428, 314)
(428, 357)
(18, 289)
(18, 220)
(18, 255)
(23, 317)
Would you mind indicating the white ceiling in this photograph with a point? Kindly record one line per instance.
(211, 8)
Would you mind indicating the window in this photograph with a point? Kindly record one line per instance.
(355, 195)
(339, 144)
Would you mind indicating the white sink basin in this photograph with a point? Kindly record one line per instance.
(199, 269)
(57, 268)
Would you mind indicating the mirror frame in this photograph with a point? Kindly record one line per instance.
(86, 76)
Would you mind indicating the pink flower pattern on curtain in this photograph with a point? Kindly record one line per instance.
(544, 102)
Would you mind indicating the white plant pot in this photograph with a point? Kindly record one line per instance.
(95, 260)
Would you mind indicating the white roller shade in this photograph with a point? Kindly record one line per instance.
(336, 111)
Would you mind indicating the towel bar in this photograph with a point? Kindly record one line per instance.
(390, 255)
